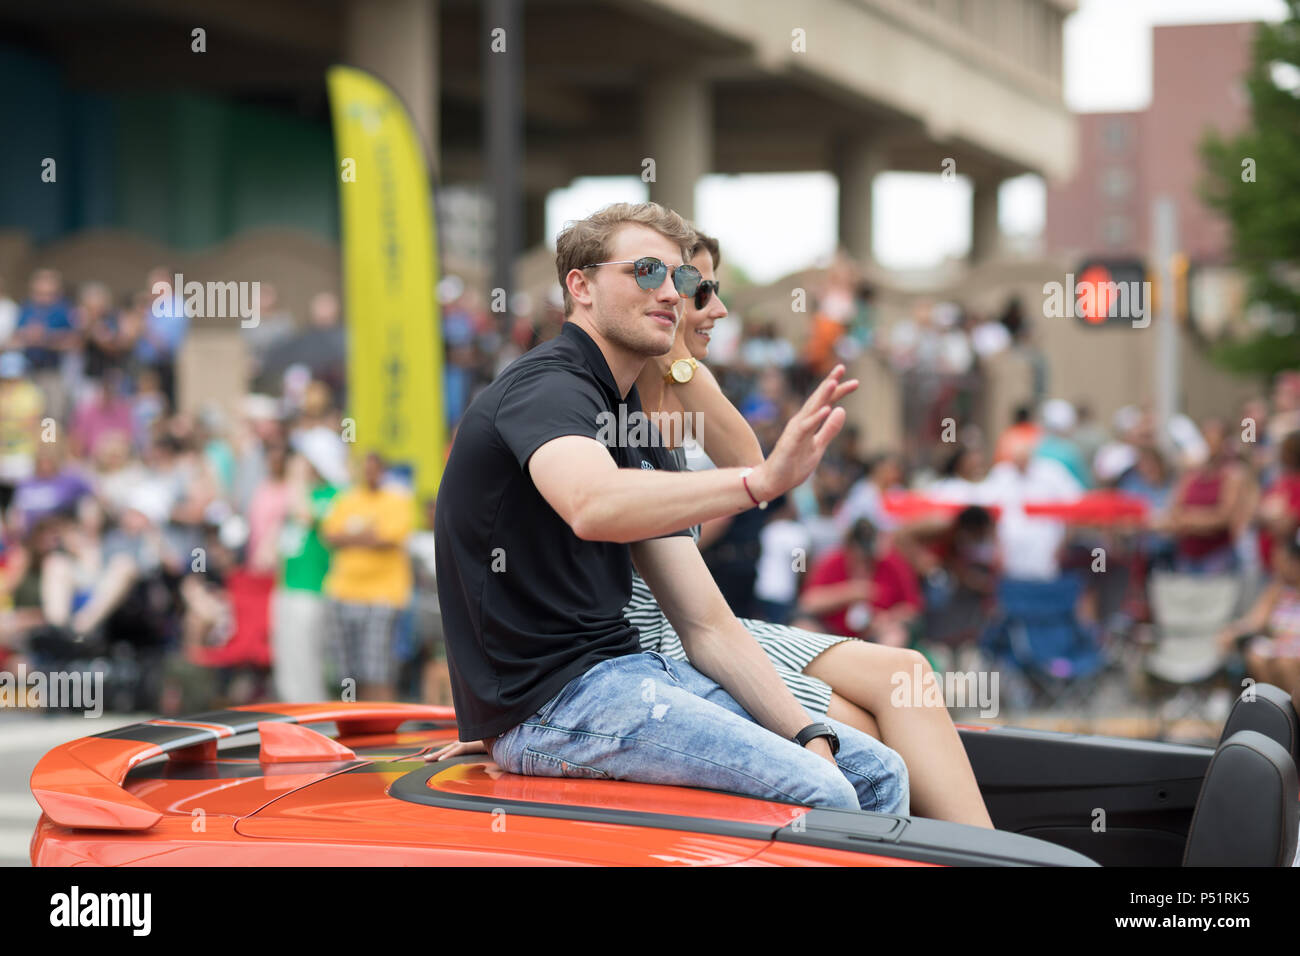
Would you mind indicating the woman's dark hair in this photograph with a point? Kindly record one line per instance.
(1153, 454)
(44, 527)
(951, 463)
(880, 459)
(703, 243)
(1288, 452)
(974, 520)
(1013, 317)
(862, 536)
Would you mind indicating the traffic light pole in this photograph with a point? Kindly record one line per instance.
(1164, 233)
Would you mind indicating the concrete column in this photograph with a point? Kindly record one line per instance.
(857, 161)
(397, 41)
(876, 407)
(503, 138)
(984, 235)
(678, 136)
(534, 219)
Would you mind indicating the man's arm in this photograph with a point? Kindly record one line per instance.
(716, 642)
(602, 502)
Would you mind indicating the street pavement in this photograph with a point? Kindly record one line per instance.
(24, 739)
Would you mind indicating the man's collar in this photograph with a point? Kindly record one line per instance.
(592, 353)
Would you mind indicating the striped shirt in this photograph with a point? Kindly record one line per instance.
(790, 649)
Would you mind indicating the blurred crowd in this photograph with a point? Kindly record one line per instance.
(203, 557)
(199, 557)
(942, 543)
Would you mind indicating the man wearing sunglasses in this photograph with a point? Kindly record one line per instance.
(539, 523)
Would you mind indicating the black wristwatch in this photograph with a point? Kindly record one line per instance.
(819, 730)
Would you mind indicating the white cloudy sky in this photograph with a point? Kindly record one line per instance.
(775, 223)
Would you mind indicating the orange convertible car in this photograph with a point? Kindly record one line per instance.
(335, 784)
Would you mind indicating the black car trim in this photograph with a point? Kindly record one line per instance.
(175, 737)
(165, 731)
(920, 838)
(222, 770)
(240, 721)
(412, 788)
(856, 831)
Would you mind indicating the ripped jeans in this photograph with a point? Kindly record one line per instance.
(646, 718)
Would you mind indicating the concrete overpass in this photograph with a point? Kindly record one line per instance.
(854, 87)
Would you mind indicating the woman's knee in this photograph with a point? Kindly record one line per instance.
(910, 661)
(877, 658)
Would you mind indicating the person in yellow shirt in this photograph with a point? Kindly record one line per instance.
(369, 580)
(21, 406)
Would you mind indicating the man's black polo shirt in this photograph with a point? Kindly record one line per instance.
(526, 604)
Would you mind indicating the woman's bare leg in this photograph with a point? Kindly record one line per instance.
(847, 712)
(943, 783)
(1286, 671)
(1260, 667)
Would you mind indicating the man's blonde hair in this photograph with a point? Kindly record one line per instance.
(588, 240)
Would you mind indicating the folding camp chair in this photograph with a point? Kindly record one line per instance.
(1189, 611)
(1037, 634)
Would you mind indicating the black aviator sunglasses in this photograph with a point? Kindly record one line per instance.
(706, 289)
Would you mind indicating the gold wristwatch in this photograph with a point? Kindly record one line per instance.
(681, 371)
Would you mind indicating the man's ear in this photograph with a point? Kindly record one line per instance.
(578, 285)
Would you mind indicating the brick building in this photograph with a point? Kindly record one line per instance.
(1127, 159)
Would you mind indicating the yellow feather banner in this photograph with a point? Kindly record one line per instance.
(390, 269)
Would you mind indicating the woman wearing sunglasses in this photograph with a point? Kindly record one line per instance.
(844, 678)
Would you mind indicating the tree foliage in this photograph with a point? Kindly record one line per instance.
(1253, 179)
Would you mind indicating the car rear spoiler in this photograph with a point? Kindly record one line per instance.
(79, 784)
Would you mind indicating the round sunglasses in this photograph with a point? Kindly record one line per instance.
(650, 273)
(704, 291)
